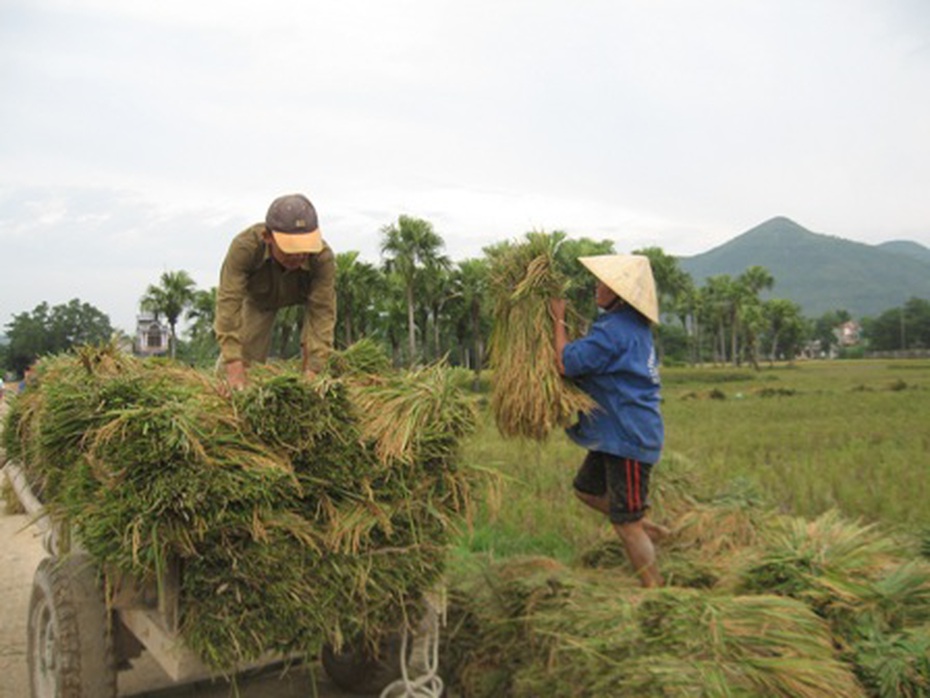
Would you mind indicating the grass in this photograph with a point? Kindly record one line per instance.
(813, 437)
(529, 507)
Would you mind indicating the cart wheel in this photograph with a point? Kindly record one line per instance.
(357, 670)
(70, 652)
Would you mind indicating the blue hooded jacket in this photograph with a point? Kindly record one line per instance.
(615, 363)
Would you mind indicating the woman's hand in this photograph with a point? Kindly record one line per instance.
(557, 309)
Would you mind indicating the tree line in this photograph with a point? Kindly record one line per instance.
(421, 306)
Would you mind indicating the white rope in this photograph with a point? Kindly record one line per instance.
(424, 657)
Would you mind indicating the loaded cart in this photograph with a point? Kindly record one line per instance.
(281, 523)
(77, 642)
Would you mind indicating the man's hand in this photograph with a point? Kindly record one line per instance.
(235, 375)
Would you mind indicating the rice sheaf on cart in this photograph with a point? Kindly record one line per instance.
(302, 513)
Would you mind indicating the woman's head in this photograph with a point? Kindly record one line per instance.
(605, 297)
(627, 277)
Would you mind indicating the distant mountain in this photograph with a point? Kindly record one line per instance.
(906, 248)
(822, 272)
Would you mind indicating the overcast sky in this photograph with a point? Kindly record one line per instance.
(140, 136)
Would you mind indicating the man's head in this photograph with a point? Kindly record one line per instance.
(291, 221)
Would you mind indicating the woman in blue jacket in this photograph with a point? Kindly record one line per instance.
(615, 363)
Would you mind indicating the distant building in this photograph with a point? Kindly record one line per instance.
(847, 334)
(151, 336)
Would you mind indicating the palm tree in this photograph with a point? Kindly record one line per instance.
(170, 299)
(783, 318)
(408, 247)
(201, 314)
(745, 302)
(470, 287)
(392, 312)
(358, 286)
(717, 302)
(434, 284)
(690, 307)
(672, 283)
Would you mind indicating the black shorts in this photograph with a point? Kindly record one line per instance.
(626, 480)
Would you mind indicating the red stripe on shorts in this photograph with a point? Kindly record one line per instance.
(633, 496)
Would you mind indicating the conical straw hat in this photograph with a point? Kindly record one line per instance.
(630, 277)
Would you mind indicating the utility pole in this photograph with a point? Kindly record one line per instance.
(903, 335)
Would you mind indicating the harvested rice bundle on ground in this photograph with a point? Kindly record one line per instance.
(782, 607)
(866, 584)
(828, 562)
(290, 529)
(529, 398)
(676, 491)
(895, 665)
(481, 646)
(548, 630)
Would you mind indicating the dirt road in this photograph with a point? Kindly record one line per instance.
(20, 552)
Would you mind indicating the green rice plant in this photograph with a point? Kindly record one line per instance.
(364, 357)
(829, 563)
(899, 599)
(895, 665)
(824, 448)
(529, 398)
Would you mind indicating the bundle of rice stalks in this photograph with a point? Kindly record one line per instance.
(925, 542)
(829, 563)
(899, 599)
(719, 528)
(896, 665)
(421, 412)
(364, 357)
(674, 490)
(291, 526)
(529, 398)
(556, 632)
(481, 647)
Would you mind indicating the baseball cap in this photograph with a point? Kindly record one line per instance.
(293, 223)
